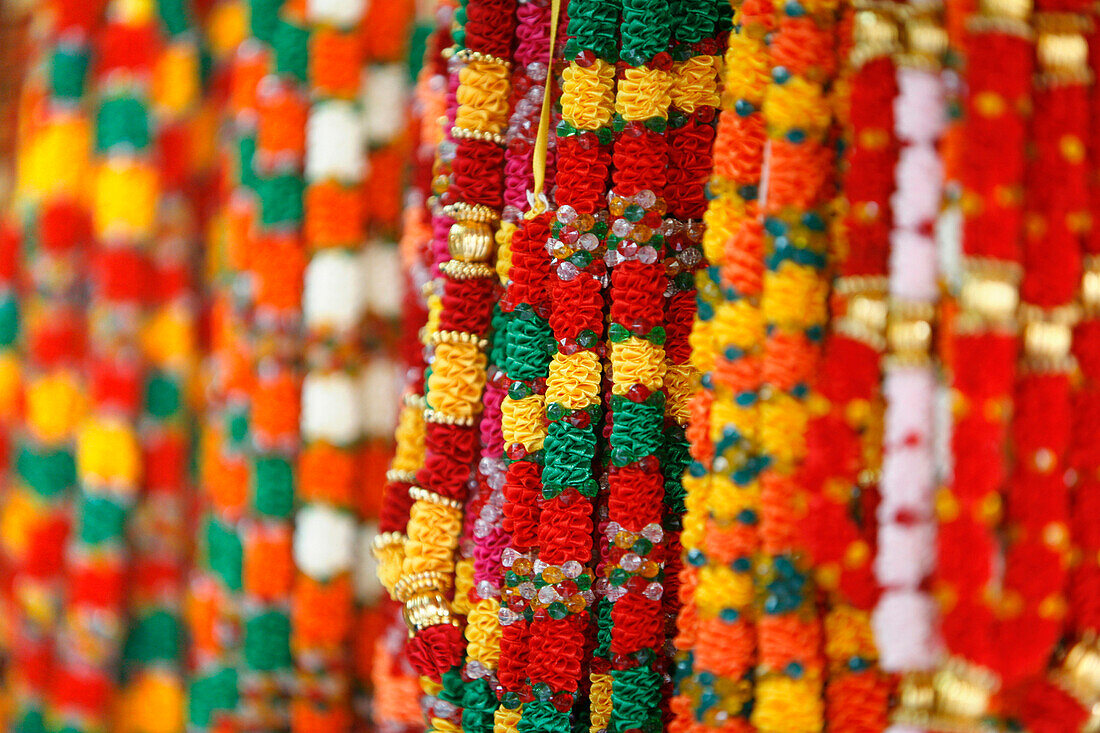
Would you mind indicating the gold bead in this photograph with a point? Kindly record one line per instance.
(470, 241)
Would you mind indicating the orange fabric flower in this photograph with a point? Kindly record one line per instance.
(326, 474)
(268, 564)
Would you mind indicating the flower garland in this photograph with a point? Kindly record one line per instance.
(843, 437)
(124, 190)
(982, 359)
(52, 178)
(1057, 220)
(692, 119)
(457, 373)
(512, 428)
(635, 258)
(803, 46)
(1084, 585)
(215, 590)
(384, 100)
(276, 263)
(153, 698)
(551, 587)
(332, 420)
(716, 638)
(904, 617)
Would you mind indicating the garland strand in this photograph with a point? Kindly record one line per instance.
(796, 110)
(716, 636)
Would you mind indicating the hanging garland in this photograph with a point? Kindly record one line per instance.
(790, 672)
(215, 591)
(904, 617)
(635, 257)
(52, 178)
(716, 636)
(152, 699)
(124, 190)
(844, 436)
(694, 96)
(457, 374)
(555, 583)
(332, 415)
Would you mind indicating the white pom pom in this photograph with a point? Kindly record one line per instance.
(384, 281)
(368, 588)
(324, 541)
(341, 13)
(334, 148)
(379, 387)
(385, 89)
(330, 408)
(920, 111)
(903, 625)
(905, 554)
(334, 295)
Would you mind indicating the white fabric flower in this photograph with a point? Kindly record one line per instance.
(380, 394)
(341, 13)
(330, 408)
(324, 541)
(383, 280)
(384, 92)
(334, 290)
(334, 143)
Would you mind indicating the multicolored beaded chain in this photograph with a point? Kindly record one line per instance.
(635, 255)
(52, 178)
(332, 421)
(124, 191)
(796, 109)
(716, 641)
(904, 617)
(153, 697)
(844, 436)
(982, 359)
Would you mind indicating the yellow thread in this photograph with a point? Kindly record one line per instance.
(542, 138)
(409, 453)
(794, 297)
(785, 705)
(464, 583)
(721, 587)
(798, 103)
(681, 383)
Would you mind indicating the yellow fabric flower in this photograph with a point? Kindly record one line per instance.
(153, 703)
(125, 200)
(54, 406)
(107, 451)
